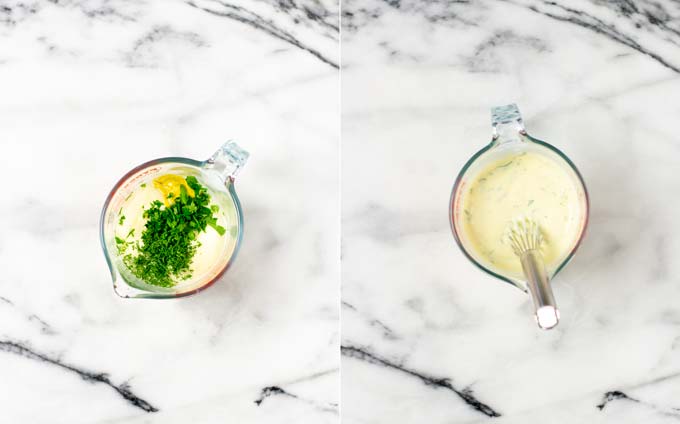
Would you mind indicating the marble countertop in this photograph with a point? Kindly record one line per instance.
(428, 338)
(89, 89)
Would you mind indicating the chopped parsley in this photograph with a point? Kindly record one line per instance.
(165, 251)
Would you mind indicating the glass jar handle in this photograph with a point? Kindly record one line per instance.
(506, 123)
(227, 161)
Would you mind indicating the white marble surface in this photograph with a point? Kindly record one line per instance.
(427, 338)
(89, 89)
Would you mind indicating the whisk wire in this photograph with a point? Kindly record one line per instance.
(523, 235)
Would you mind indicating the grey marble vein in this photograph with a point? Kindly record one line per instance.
(44, 326)
(466, 394)
(14, 12)
(649, 28)
(243, 15)
(141, 53)
(270, 391)
(617, 395)
(383, 328)
(124, 389)
(660, 20)
(614, 395)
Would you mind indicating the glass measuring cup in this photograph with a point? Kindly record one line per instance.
(217, 174)
(510, 138)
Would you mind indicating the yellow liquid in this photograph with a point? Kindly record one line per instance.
(520, 185)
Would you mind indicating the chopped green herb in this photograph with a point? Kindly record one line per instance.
(220, 229)
(121, 219)
(142, 185)
(168, 243)
(183, 194)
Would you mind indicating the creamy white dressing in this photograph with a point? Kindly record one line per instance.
(527, 184)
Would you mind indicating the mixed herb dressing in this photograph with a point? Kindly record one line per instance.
(170, 230)
(526, 184)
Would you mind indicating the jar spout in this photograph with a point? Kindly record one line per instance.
(227, 161)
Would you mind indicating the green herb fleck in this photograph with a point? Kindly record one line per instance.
(531, 202)
(142, 185)
(220, 229)
(121, 219)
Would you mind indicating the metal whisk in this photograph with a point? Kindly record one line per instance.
(524, 235)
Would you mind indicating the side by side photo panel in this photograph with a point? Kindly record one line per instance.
(427, 334)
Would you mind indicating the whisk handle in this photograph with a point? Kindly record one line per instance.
(545, 309)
